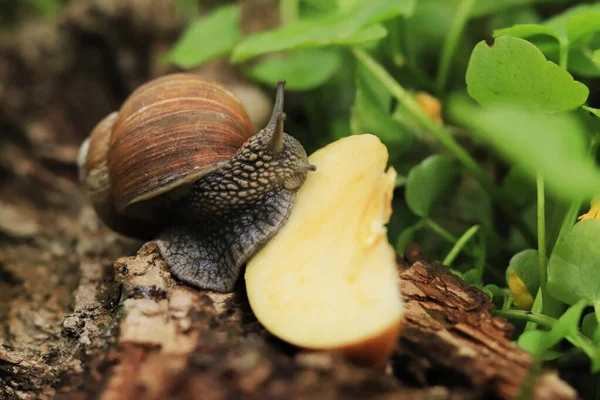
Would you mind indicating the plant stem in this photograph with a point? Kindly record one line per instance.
(563, 57)
(481, 259)
(541, 226)
(434, 226)
(446, 139)
(581, 341)
(456, 30)
(542, 295)
(507, 302)
(577, 339)
(540, 319)
(460, 243)
(440, 230)
(289, 11)
(535, 308)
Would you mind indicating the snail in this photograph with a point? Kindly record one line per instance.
(180, 165)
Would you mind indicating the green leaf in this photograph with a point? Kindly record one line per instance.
(570, 27)
(298, 69)
(485, 7)
(573, 272)
(186, 8)
(207, 38)
(581, 24)
(554, 145)
(347, 4)
(406, 237)
(472, 204)
(370, 114)
(427, 182)
(538, 342)
(520, 189)
(584, 61)
(472, 277)
(596, 57)
(367, 34)
(589, 325)
(514, 71)
(353, 26)
(494, 291)
(594, 111)
(45, 7)
(526, 265)
(527, 30)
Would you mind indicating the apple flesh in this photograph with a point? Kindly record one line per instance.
(328, 280)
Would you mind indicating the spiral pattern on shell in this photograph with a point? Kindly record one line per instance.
(169, 132)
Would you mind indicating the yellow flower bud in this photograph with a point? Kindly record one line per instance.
(522, 299)
(594, 212)
(430, 105)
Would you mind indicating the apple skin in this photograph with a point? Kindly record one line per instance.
(329, 280)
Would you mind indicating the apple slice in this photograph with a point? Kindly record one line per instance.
(328, 280)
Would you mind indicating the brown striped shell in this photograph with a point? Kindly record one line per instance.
(169, 132)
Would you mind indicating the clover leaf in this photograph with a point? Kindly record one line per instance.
(207, 38)
(298, 68)
(573, 272)
(427, 182)
(357, 25)
(569, 28)
(554, 145)
(514, 71)
(526, 265)
(539, 342)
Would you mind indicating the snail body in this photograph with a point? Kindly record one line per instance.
(180, 165)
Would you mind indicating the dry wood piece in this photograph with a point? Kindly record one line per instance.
(177, 342)
(452, 339)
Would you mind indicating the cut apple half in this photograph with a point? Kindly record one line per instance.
(328, 280)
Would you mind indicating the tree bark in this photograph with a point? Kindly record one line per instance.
(75, 323)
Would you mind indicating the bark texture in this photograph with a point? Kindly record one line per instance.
(176, 342)
(76, 324)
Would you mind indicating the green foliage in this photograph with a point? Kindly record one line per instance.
(526, 266)
(518, 186)
(570, 27)
(555, 146)
(12, 12)
(298, 67)
(494, 7)
(193, 48)
(573, 272)
(538, 342)
(513, 71)
(493, 184)
(45, 7)
(370, 113)
(358, 25)
(589, 327)
(427, 183)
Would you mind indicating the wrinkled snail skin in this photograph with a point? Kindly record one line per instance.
(214, 216)
(233, 211)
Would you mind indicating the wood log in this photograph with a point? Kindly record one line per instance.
(177, 342)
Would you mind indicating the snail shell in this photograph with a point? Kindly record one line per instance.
(170, 132)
